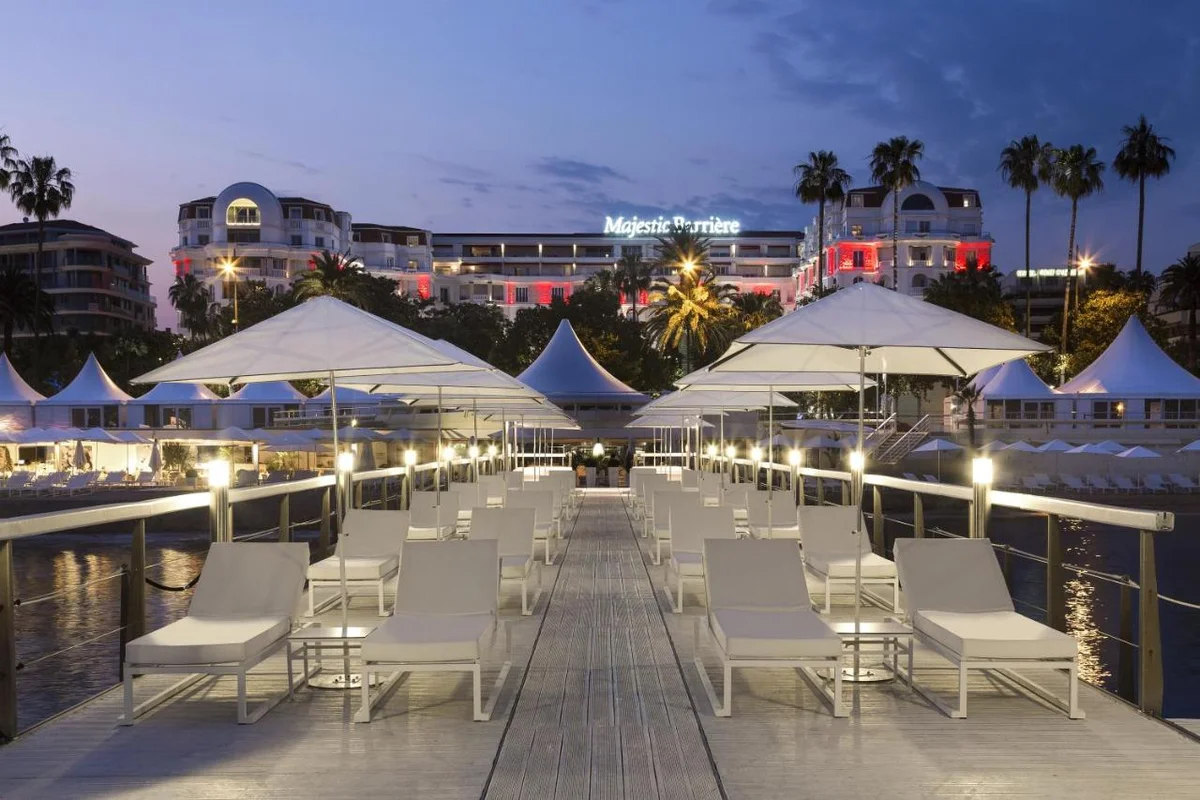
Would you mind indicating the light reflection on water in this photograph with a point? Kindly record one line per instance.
(1082, 617)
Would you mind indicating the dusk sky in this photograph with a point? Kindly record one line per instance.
(545, 116)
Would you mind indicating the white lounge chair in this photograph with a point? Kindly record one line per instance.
(43, 483)
(1182, 482)
(665, 503)
(1124, 483)
(782, 514)
(241, 612)
(653, 492)
(76, 484)
(1073, 483)
(492, 490)
(710, 488)
(371, 543)
(829, 539)
(512, 528)
(909, 476)
(434, 515)
(542, 502)
(1098, 483)
(17, 481)
(932, 478)
(112, 480)
(469, 497)
(145, 478)
(1155, 483)
(691, 524)
(445, 608)
(645, 487)
(960, 607)
(1044, 480)
(1032, 484)
(760, 615)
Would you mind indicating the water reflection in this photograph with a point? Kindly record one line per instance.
(1083, 615)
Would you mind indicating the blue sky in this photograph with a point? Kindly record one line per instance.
(475, 115)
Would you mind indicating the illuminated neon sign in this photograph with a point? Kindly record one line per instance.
(631, 227)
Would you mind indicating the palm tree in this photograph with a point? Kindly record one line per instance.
(632, 277)
(1181, 290)
(820, 180)
(43, 190)
(1144, 154)
(894, 166)
(338, 275)
(754, 309)
(1075, 173)
(189, 295)
(1025, 163)
(19, 306)
(967, 395)
(8, 154)
(691, 316)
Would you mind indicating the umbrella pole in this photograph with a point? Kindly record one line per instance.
(474, 440)
(341, 545)
(770, 456)
(722, 453)
(504, 440)
(857, 500)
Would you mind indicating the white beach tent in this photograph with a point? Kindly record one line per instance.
(198, 398)
(1138, 451)
(91, 389)
(1016, 392)
(1193, 447)
(566, 373)
(1054, 446)
(16, 398)
(1021, 446)
(254, 404)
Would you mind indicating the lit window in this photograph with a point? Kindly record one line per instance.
(389, 262)
(414, 241)
(242, 212)
(856, 230)
(856, 201)
(968, 200)
(412, 265)
(522, 294)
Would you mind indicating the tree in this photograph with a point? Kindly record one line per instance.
(967, 395)
(1101, 317)
(339, 275)
(20, 307)
(894, 166)
(8, 155)
(605, 282)
(691, 316)
(1075, 173)
(190, 297)
(1024, 164)
(477, 328)
(1181, 291)
(1143, 154)
(753, 310)
(633, 276)
(820, 180)
(43, 190)
(974, 291)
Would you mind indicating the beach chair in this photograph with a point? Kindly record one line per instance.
(1098, 483)
(760, 615)
(653, 492)
(689, 479)
(469, 497)
(431, 519)
(710, 488)
(17, 482)
(829, 539)
(542, 502)
(783, 521)
(690, 525)
(1154, 483)
(112, 480)
(1073, 483)
(1032, 484)
(492, 489)
(512, 528)
(145, 478)
(647, 484)
(371, 542)
(1044, 480)
(446, 607)
(909, 476)
(241, 612)
(1182, 482)
(78, 483)
(665, 503)
(1124, 484)
(960, 607)
(932, 478)
(737, 497)
(46, 482)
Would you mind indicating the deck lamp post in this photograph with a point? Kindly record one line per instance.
(473, 454)
(219, 515)
(410, 462)
(982, 475)
(228, 267)
(730, 455)
(756, 455)
(345, 480)
(794, 457)
(711, 452)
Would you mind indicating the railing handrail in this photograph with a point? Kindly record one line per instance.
(921, 427)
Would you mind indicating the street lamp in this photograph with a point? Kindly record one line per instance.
(228, 267)
(982, 476)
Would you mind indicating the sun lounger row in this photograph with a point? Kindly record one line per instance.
(1151, 483)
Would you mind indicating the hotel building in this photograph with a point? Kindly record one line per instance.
(273, 239)
(99, 284)
(940, 229)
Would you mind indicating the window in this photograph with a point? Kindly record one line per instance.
(356, 236)
(631, 249)
(202, 239)
(856, 201)
(464, 292)
(183, 241)
(972, 260)
(859, 259)
(556, 293)
(1104, 410)
(521, 293)
(297, 240)
(968, 200)
(949, 255)
(295, 212)
(856, 230)
(386, 238)
(919, 282)
(917, 202)
(319, 241)
(319, 214)
(412, 265)
(444, 294)
(498, 293)
(971, 229)
(243, 236)
(413, 241)
(242, 212)
(203, 212)
(919, 254)
(923, 226)
(389, 262)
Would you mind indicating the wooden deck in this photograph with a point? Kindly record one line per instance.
(598, 705)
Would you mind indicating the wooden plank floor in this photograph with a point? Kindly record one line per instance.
(603, 710)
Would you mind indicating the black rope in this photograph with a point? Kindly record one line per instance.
(166, 588)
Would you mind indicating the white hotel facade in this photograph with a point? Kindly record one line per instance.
(273, 240)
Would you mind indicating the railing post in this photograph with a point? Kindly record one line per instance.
(323, 536)
(358, 495)
(220, 513)
(8, 645)
(136, 624)
(847, 499)
(918, 516)
(820, 491)
(1056, 598)
(1150, 668)
(877, 533)
(1126, 685)
(123, 621)
(285, 518)
(1006, 566)
(383, 494)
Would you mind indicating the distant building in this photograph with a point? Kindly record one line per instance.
(1176, 321)
(940, 229)
(98, 282)
(1046, 287)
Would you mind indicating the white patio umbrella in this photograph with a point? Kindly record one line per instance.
(1190, 448)
(867, 328)
(155, 458)
(1054, 446)
(1138, 452)
(1091, 448)
(1109, 446)
(79, 458)
(939, 446)
(321, 339)
(1021, 446)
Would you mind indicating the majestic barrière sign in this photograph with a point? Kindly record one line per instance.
(631, 227)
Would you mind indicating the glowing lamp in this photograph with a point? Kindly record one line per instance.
(448, 453)
(410, 458)
(354, 423)
(858, 460)
(712, 451)
(597, 450)
(491, 451)
(794, 458)
(218, 473)
(473, 451)
(756, 454)
(731, 452)
(345, 461)
(982, 471)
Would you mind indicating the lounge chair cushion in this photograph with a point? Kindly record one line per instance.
(420, 638)
(797, 633)
(778, 530)
(873, 566)
(688, 563)
(960, 575)
(994, 634)
(357, 569)
(515, 566)
(194, 640)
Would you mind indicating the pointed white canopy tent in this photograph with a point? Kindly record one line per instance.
(174, 400)
(1135, 372)
(1190, 448)
(1138, 452)
(1015, 392)
(1021, 446)
(255, 404)
(566, 373)
(1054, 446)
(867, 328)
(16, 398)
(93, 391)
(321, 339)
